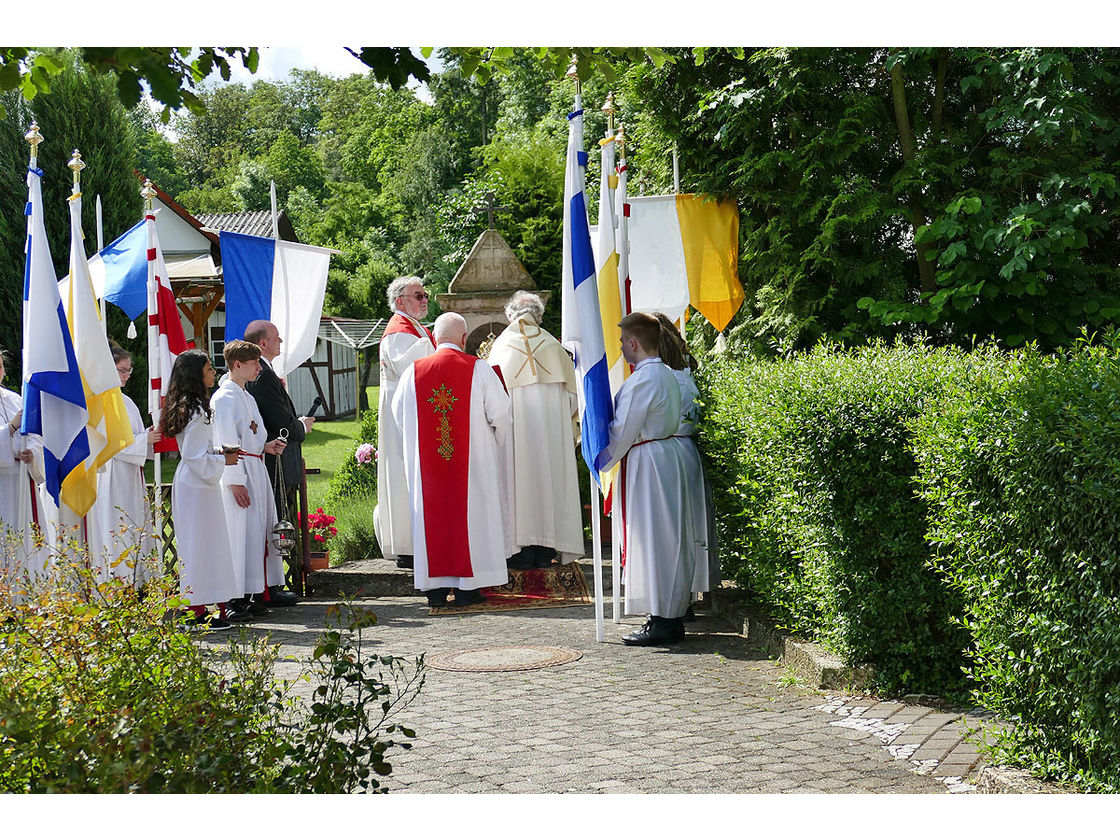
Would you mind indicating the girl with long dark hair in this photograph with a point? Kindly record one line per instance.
(206, 571)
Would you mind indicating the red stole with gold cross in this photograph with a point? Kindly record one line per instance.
(443, 412)
(400, 324)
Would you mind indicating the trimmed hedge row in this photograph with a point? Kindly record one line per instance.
(951, 517)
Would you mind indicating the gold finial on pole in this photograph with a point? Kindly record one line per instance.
(34, 138)
(620, 138)
(573, 74)
(76, 165)
(608, 109)
(148, 192)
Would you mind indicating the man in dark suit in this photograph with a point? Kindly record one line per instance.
(278, 413)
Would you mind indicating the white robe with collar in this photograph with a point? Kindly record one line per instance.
(18, 555)
(393, 516)
(653, 515)
(206, 569)
(706, 574)
(238, 422)
(487, 525)
(545, 492)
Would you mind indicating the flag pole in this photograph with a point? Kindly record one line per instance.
(676, 172)
(100, 247)
(596, 498)
(624, 296)
(148, 193)
(34, 138)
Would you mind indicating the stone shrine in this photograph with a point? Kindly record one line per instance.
(488, 277)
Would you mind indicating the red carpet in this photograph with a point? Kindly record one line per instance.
(529, 589)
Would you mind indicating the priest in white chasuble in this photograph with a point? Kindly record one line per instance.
(454, 416)
(541, 379)
(658, 546)
(404, 341)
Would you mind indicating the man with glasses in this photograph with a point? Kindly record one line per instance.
(405, 340)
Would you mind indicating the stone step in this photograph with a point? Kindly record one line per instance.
(376, 577)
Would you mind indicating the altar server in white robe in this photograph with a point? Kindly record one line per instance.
(120, 522)
(247, 493)
(674, 353)
(455, 417)
(21, 471)
(656, 521)
(206, 570)
(404, 341)
(541, 379)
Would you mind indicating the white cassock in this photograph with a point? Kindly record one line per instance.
(542, 387)
(19, 498)
(206, 571)
(120, 522)
(706, 573)
(237, 422)
(405, 340)
(655, 525)
(485, 526)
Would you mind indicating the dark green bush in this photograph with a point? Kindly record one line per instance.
(1021, 470)
(353, 478)
(814, 485)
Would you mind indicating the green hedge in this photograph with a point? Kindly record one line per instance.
(813, 482)
(351, 498)
(1021, 470)
(951, 517)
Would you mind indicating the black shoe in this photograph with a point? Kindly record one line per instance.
(405, 561)
(238, 604)
(237, 616)
(657, 631)
(521, 561)
(542, 556)
(257, 607)
(278, 597)
(690, 615)
(205, 622)
(438, 597)
(467, 597)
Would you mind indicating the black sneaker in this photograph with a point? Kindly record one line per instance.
(278, 597)
(238, 616)
(257, 607)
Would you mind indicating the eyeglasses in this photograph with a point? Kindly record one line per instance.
(420, 295)
(125, 371)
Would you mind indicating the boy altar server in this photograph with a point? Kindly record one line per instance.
(656, 525)
(454, 416)
(247, 493)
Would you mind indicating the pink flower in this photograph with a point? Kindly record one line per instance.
(365, 453)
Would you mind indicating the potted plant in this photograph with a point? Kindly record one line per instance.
(321, 527)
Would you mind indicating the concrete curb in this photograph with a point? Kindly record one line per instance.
(814, 665)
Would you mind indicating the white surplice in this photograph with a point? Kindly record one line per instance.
(542, 388)
(706, 573)
(119, 525)
(18, 555)
(237, 422)
(487, 526)
(393, 517)
(654, 508)
(206, 569)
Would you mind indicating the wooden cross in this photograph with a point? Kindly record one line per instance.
(489, 209)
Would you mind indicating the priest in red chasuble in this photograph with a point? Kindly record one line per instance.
(455, 417)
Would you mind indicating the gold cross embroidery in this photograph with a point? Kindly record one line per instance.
(442, 400)
(532, 361)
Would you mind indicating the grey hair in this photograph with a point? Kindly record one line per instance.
(523, 302)
(397, 287)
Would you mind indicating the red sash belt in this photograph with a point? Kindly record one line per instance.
(241, 455)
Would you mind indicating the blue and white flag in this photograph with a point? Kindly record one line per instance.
(119, 271)
(54, 402)
(277, 281)
(581, 328)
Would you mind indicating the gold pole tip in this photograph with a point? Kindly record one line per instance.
(33, 136)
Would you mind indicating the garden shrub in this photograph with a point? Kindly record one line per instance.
(352, 496)
(1021, 472)
(353, 478)
(813, 480)
(102, 692)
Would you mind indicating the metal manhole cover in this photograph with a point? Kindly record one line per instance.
(520, 658)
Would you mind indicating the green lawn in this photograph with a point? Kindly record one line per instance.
(324, 449)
